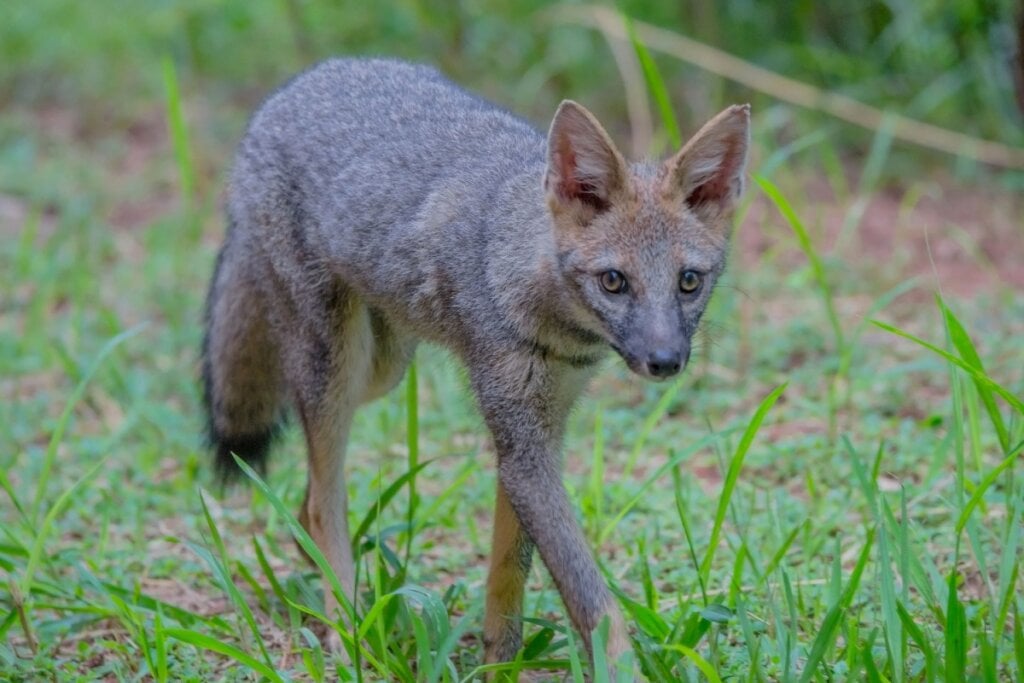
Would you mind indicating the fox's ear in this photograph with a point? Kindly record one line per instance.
(707, 173)
(585, 172)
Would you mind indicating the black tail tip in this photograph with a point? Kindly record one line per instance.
(252, 448)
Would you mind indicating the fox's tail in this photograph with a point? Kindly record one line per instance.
(243, 387)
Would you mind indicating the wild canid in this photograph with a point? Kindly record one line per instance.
(374, 204)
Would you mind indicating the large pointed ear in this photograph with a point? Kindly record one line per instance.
(707, 173)
(585, 172)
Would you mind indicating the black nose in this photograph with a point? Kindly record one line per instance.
(664, 363)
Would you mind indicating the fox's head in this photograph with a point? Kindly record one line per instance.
(641, 245)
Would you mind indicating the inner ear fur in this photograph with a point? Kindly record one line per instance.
(585, 172)
(707, 173)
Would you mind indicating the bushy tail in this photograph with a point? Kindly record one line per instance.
(243, 389)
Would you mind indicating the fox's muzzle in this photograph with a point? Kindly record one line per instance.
(658, 363)
(663, 363)
(659, 344)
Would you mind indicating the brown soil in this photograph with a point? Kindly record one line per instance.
(961, 239)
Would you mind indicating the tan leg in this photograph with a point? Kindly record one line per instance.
(511, 553)
(324, 515)
(329, 395)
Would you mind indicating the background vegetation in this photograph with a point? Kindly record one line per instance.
(863, 522)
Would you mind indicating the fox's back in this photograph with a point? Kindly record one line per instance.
(383, 130)
(394, 177)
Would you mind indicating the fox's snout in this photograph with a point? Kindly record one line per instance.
(664, 363)
(657, 362)
(658, 345)
(660, 363)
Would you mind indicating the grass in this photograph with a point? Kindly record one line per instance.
(831, 492)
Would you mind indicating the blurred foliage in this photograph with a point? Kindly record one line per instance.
(944, 61)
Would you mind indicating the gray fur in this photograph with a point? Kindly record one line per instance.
(374, 204)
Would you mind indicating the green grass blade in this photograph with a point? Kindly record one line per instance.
(382, 501)
(827, 631)
(642, 491)
(677, 484)
(313, 655)
(179, 134)
(804, 241)
(956, 635)
(981, 377)
(598, 638)
(647, 620)
(921, 640)
(448, 642)
(650, 421)
(1018, 642)
(160, 643)
(981, 488)
(965, 347)
(302, 538)
(870, 667)
(5, 484)
(733, 473)
(412, 442)
(646, 579)
(877, 156)
(879, 304)
(892, 627)
(824, 640)
(656, 85)
(858, 570)
(698, 661)
(780, 155)
(65, 416)
(780, 553)
(221, 568)
(138, 599)
(268, 572)
(214, 645)
(36, 552)
(1009, 571)
(596, 483)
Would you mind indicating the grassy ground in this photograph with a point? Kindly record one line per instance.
(818, 498)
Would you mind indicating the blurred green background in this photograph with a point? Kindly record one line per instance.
(117, 122)
(948, 62)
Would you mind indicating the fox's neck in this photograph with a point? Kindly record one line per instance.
(526, 278)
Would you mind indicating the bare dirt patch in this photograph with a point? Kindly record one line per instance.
(965, 239)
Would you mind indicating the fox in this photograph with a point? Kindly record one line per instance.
(372, 205)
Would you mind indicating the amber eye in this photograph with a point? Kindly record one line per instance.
(613, 282)
(689, 282)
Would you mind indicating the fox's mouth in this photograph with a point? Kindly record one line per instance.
(641, 367)
(635, 365)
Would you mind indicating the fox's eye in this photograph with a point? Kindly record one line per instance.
(689, 282)
(613, 282)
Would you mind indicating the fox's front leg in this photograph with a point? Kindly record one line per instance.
(527, 420)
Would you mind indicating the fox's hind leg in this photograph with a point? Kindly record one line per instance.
(511, 555)
(328, 364)
(243, 386)
(360, 359)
